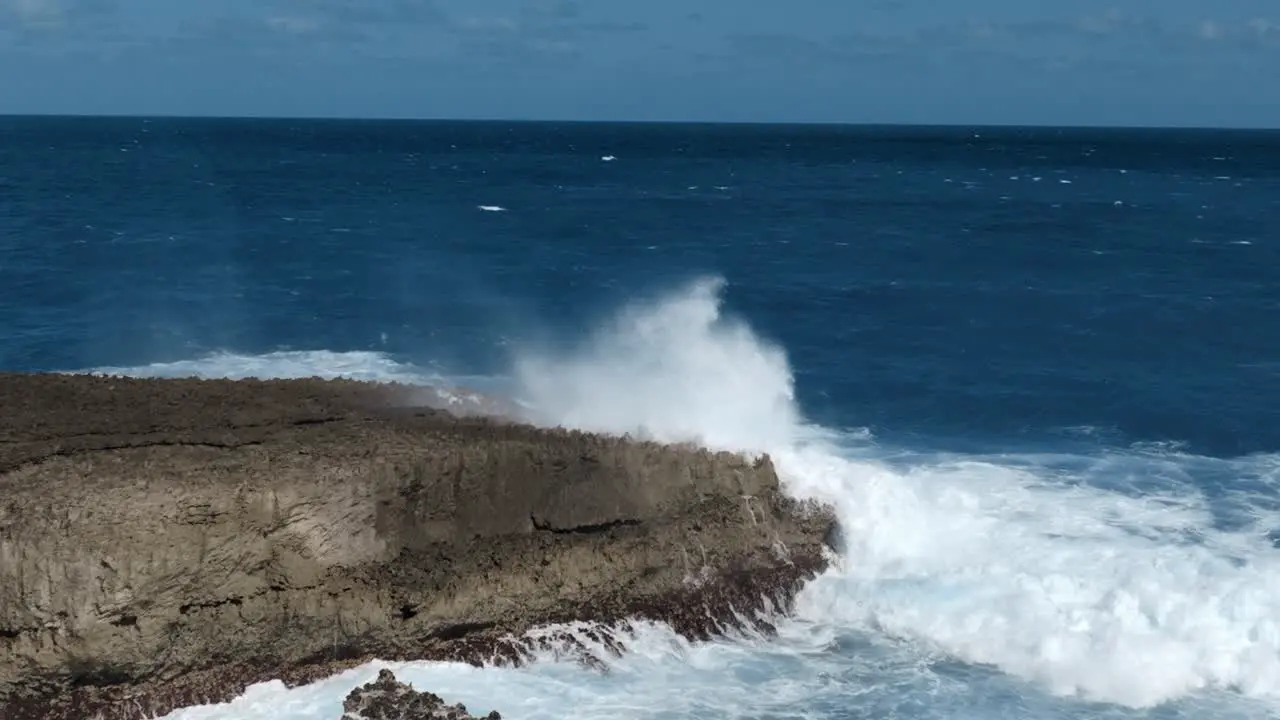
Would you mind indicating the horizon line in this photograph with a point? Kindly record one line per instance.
(615, 121)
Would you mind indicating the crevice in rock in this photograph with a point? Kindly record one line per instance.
(305, 422)
(195, 607)
(595, 529)
(73, 452)
(85, 672)
(457, 631)
(239, 600)
(157, 430)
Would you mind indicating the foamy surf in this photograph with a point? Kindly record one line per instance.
(1016, 585)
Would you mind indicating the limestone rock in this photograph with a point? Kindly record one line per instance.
(167, 542)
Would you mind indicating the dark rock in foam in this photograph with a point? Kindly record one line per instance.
(168, 542)
(389, 699)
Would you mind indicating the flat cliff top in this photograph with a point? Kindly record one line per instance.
(43, 413)
(49, 415)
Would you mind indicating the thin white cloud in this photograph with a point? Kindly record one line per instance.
(37, 12)
(1107, 23)
(365, 13)
(1210, 30)
(1263, 27)
(1114, 27)
(1248, 33)
(45, 16)
(293, 25)
(51, 28)
(490, 24)
(540, 29)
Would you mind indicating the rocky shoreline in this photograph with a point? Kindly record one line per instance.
(169, 542)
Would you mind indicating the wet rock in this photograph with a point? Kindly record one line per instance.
(389, 699)
(168, 542)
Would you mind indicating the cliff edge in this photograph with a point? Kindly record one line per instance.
(167, 542)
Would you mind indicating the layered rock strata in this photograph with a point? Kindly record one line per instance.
(168, 542)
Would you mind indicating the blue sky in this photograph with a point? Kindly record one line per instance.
(1116, 62)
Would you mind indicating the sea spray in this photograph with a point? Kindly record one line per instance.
(1016, 576)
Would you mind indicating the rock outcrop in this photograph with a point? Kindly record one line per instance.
(168, 542)
(389, 699)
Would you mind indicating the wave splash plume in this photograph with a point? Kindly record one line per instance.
(674, 370)
(1050, 585)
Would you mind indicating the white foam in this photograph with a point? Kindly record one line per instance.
(1131, 600)
(662, 676)
(673, 370)
(356, 365)
(491, 208)
(1111, 577)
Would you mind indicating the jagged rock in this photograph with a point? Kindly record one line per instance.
(389, 699)
(168, 542)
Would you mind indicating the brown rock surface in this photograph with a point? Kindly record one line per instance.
(167, 542)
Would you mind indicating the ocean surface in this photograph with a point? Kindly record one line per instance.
(1037, 371)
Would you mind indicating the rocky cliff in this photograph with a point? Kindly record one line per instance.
(166, 542)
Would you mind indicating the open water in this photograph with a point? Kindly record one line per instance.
(1036, 370)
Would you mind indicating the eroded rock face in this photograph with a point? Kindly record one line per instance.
(167, 542)
(389, 699)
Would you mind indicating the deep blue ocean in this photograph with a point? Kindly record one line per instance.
(1036, 370)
